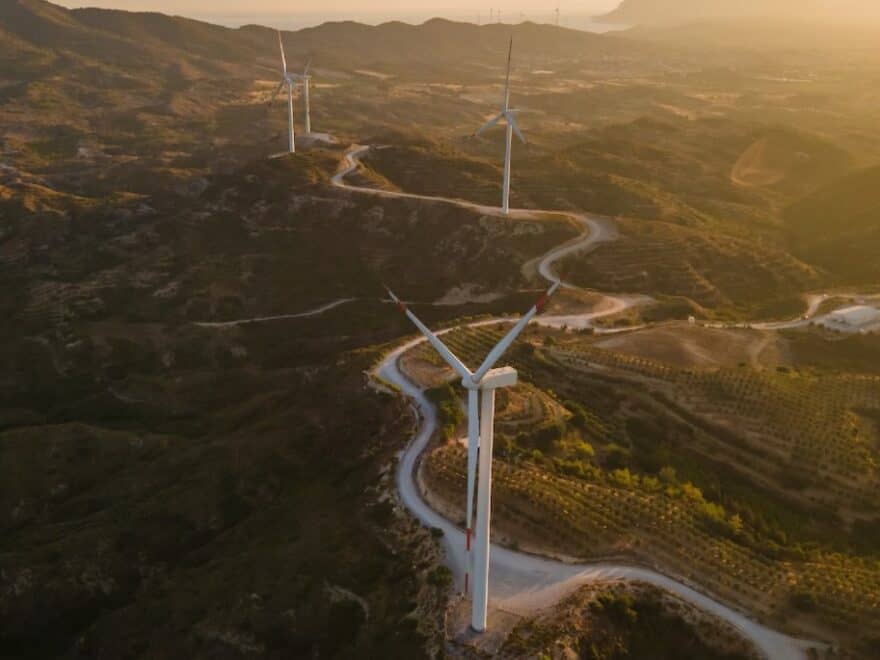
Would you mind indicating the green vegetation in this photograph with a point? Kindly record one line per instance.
(450, 413)
(838, 227)
(611, 622)
(193, 490)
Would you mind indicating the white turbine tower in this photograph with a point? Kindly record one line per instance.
(480, 385)
(304, 80)
(508, 114)
(288, 79)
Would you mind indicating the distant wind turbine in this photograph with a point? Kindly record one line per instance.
(481, 436)
(288, 79)
(508, 114)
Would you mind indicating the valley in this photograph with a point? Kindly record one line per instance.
(218, 437)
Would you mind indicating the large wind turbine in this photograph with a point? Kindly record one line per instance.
(481, 434)
(288, 79)
(508, 114)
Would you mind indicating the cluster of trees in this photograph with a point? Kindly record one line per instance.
(449, 412)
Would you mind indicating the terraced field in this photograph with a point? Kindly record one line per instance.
(714, 271)
(667, 529)
(771, 423)
(806, 424)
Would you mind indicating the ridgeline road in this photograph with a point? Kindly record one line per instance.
(521, 582)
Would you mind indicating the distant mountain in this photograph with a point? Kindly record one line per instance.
(37, 35)
(666, 12)
(838, 227)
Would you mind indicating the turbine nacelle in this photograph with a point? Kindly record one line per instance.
(496, 379)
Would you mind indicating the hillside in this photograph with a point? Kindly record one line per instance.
(699, 201)
(788, 160)
(838, 227)
(194, 459)
(49, 34)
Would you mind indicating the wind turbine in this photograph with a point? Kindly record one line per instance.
(480, 385)
(288, 79)
(508, 114)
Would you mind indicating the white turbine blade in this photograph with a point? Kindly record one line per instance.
(281, 46)
(511, 119)
(489, 124)
(496, 353)
(277, 92)
(507, 80)
(438, 345)
(308, 68)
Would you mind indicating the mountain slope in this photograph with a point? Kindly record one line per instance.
(838, 227)
(149, 40)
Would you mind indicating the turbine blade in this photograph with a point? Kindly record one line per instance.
(438, 345)
(511, 119)
(507, 80)
(275, 95)
(308, 68)
(281, 46)
(489, 124)
(496, 353)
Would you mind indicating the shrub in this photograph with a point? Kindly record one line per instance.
(440, 576)
(803, 601)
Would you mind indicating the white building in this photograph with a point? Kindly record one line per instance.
(859, 318)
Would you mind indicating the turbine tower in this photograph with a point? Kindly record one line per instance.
(480, 385)
(305, 79)
(508, 114)
(288, 79)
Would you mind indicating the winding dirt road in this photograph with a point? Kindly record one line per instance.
(281, 317)
(521, 582)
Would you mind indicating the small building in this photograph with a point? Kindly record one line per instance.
(859, 318)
